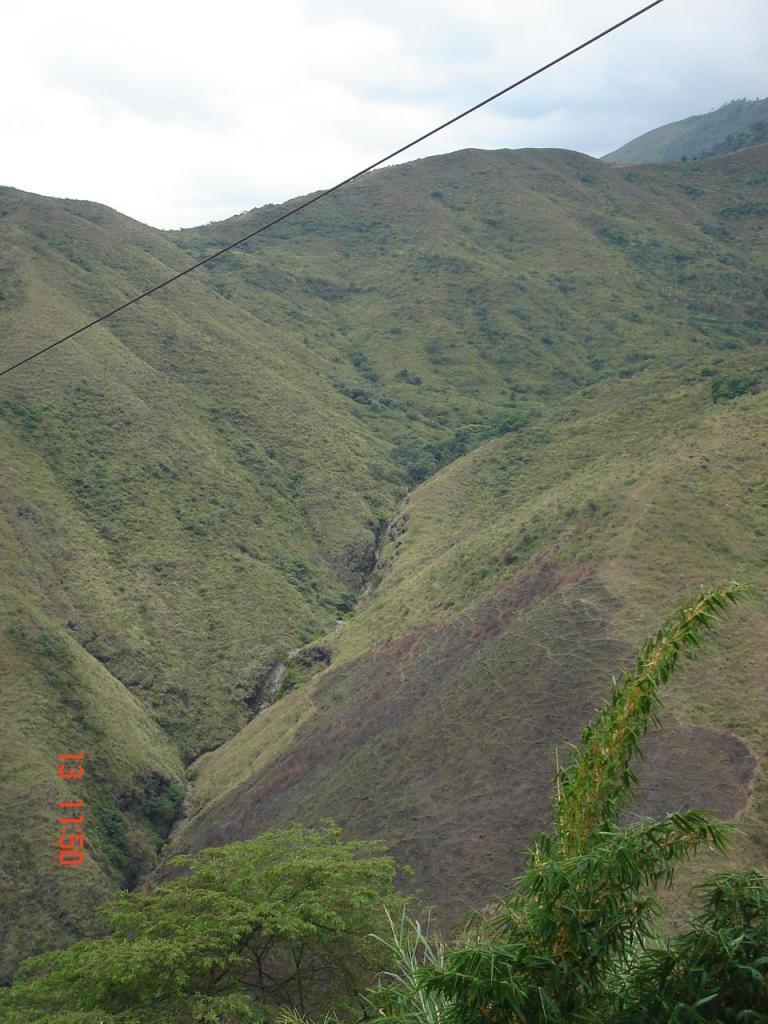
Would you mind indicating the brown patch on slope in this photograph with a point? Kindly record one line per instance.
(694, 767)
(442, 740)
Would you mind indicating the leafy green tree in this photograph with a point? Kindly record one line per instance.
(282, 920)
(575, 941)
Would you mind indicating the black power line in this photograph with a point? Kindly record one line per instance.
(334, 188)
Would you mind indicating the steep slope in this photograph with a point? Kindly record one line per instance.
(196, 489)
(733, 126)
(56, 699)
(202, 538)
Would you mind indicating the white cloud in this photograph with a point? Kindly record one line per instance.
(178, 113)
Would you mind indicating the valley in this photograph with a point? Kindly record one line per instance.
(461, 431)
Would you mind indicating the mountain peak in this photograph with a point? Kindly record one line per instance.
(735, 125)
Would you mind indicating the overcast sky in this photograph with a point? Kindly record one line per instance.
(181, 113)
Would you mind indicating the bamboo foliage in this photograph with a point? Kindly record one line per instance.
(598, 782)
(717, 970)
(575, 941)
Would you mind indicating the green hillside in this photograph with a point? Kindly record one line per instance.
(197, 489)
(733, 126)
(55, 698)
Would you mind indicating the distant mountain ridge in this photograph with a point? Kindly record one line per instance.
(733, 126)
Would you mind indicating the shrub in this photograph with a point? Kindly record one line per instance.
(724, 389)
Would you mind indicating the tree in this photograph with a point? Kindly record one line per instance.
(281, 920)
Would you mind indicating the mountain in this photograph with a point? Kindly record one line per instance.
(733, 126)
(358, 520)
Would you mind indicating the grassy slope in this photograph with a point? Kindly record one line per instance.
(195, 490)
(191, 499)
(53, 695)
(733, 126)
(152, 531)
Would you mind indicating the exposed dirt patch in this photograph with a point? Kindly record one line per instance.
(695, 767)
(263, 690)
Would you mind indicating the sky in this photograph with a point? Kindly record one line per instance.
(178, 114)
